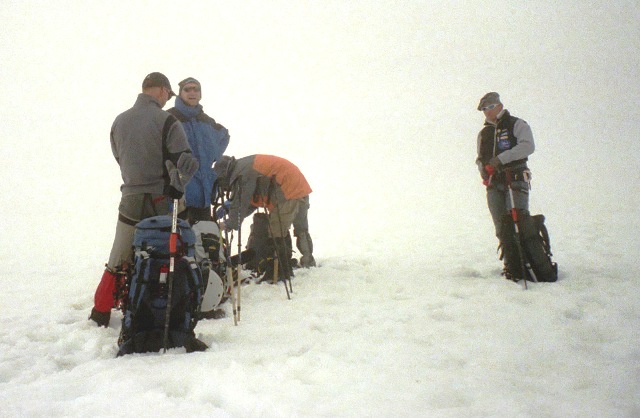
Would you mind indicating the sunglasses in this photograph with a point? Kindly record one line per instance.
(490, 107)
(171, 93)
(192, 88)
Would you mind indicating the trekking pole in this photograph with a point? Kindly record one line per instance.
(288, 259)
(173, 250)
(239, 265)
(227, 256)
(225, 277)
(277, 261)
(524, 264)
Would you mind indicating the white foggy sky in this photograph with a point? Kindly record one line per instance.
(320, 83)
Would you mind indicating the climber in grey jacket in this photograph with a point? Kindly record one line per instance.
(504, 146)
(155, 160)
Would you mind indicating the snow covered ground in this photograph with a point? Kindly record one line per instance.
(407, 314)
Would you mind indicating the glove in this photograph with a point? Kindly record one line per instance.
(487, 173)
(495, 164)
(175, 188)
(489, 170)
(222, 210)
(187, 166)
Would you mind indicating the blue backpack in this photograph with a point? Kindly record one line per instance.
(145, 309)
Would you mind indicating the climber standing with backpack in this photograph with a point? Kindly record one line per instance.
(155, 160)
(504, 145)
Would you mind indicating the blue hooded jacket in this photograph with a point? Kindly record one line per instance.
(208, 141)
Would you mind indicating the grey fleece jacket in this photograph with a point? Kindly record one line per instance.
(523, 149)
(142, 139)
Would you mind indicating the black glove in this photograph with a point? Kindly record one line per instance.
(175, 188)
(172, 192)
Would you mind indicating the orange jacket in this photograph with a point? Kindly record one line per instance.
(287, 175)
(263, 181)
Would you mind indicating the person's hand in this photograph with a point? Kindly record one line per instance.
(222, 226)
(490, 170)
(495, 164)
(487, 173)
(187, 165)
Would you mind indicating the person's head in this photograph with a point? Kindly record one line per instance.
(190, 91)
(223, 168)
(157, 86)
(491, 106)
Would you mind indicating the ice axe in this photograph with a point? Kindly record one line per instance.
(526, 266)
(239, 264)
(173, 252)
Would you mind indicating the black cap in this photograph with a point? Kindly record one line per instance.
(157, 80)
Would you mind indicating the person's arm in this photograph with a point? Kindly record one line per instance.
(180, 164)
(525, 145)
(114, 149)
(241, 202)
(478, 157)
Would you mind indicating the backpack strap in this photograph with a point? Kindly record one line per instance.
(271, 189)
(152, 204)
(544, 233)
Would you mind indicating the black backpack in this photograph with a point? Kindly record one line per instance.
(536, 248)
(260, 242)
(260, 245)
(144, 317)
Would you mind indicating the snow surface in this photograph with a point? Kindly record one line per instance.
(407, 314)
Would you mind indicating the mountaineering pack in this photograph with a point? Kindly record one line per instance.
(536, 248)
(261, 246)
(143, 322)
(260, 242)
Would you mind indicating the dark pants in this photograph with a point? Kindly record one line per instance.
(500, 203)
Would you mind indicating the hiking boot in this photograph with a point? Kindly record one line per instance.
(192, 344)
(305, 245)
(307, 261)
(100, 318)
(214, 314)
(509, 276)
